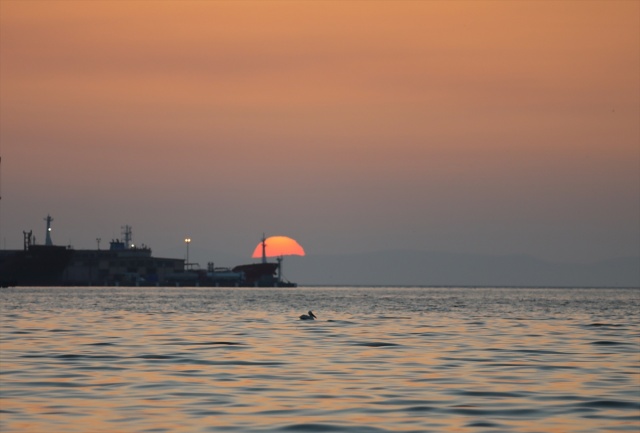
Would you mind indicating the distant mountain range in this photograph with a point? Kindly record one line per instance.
(402, 267)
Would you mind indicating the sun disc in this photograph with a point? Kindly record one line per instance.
(279, 246)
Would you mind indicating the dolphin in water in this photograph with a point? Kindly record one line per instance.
(308, 316)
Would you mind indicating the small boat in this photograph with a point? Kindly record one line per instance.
(308, 316)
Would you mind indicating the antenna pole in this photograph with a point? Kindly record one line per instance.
(47, 241)
(128, 236)
(27, 239)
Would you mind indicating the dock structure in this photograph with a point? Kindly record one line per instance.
(124, 264)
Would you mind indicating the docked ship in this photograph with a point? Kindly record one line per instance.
(263, 274)
(35, 265)
(122, 264)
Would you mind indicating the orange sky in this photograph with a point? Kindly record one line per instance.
(480, 126)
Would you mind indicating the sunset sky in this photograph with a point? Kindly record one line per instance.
(494, 127)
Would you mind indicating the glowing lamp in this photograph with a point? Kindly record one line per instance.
(186, 262)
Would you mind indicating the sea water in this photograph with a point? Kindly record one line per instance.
(376, 360)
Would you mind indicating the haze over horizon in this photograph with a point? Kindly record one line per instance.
(481, 127)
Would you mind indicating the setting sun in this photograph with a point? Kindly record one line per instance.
(279, 246)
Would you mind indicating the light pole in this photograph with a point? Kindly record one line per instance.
(187, 241)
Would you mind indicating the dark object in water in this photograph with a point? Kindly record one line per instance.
(308, 316)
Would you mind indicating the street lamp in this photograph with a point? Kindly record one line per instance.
(187, 241)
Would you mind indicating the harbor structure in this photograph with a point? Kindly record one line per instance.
(123, 264)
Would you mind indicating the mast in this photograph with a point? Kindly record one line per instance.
(264, 249)
(28, 239)
(127, 235)
(47, 241)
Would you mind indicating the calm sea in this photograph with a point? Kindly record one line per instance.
(376, 360)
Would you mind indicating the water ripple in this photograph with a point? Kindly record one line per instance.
(380, 360)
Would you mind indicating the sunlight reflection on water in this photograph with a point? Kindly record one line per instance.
(378, 359)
